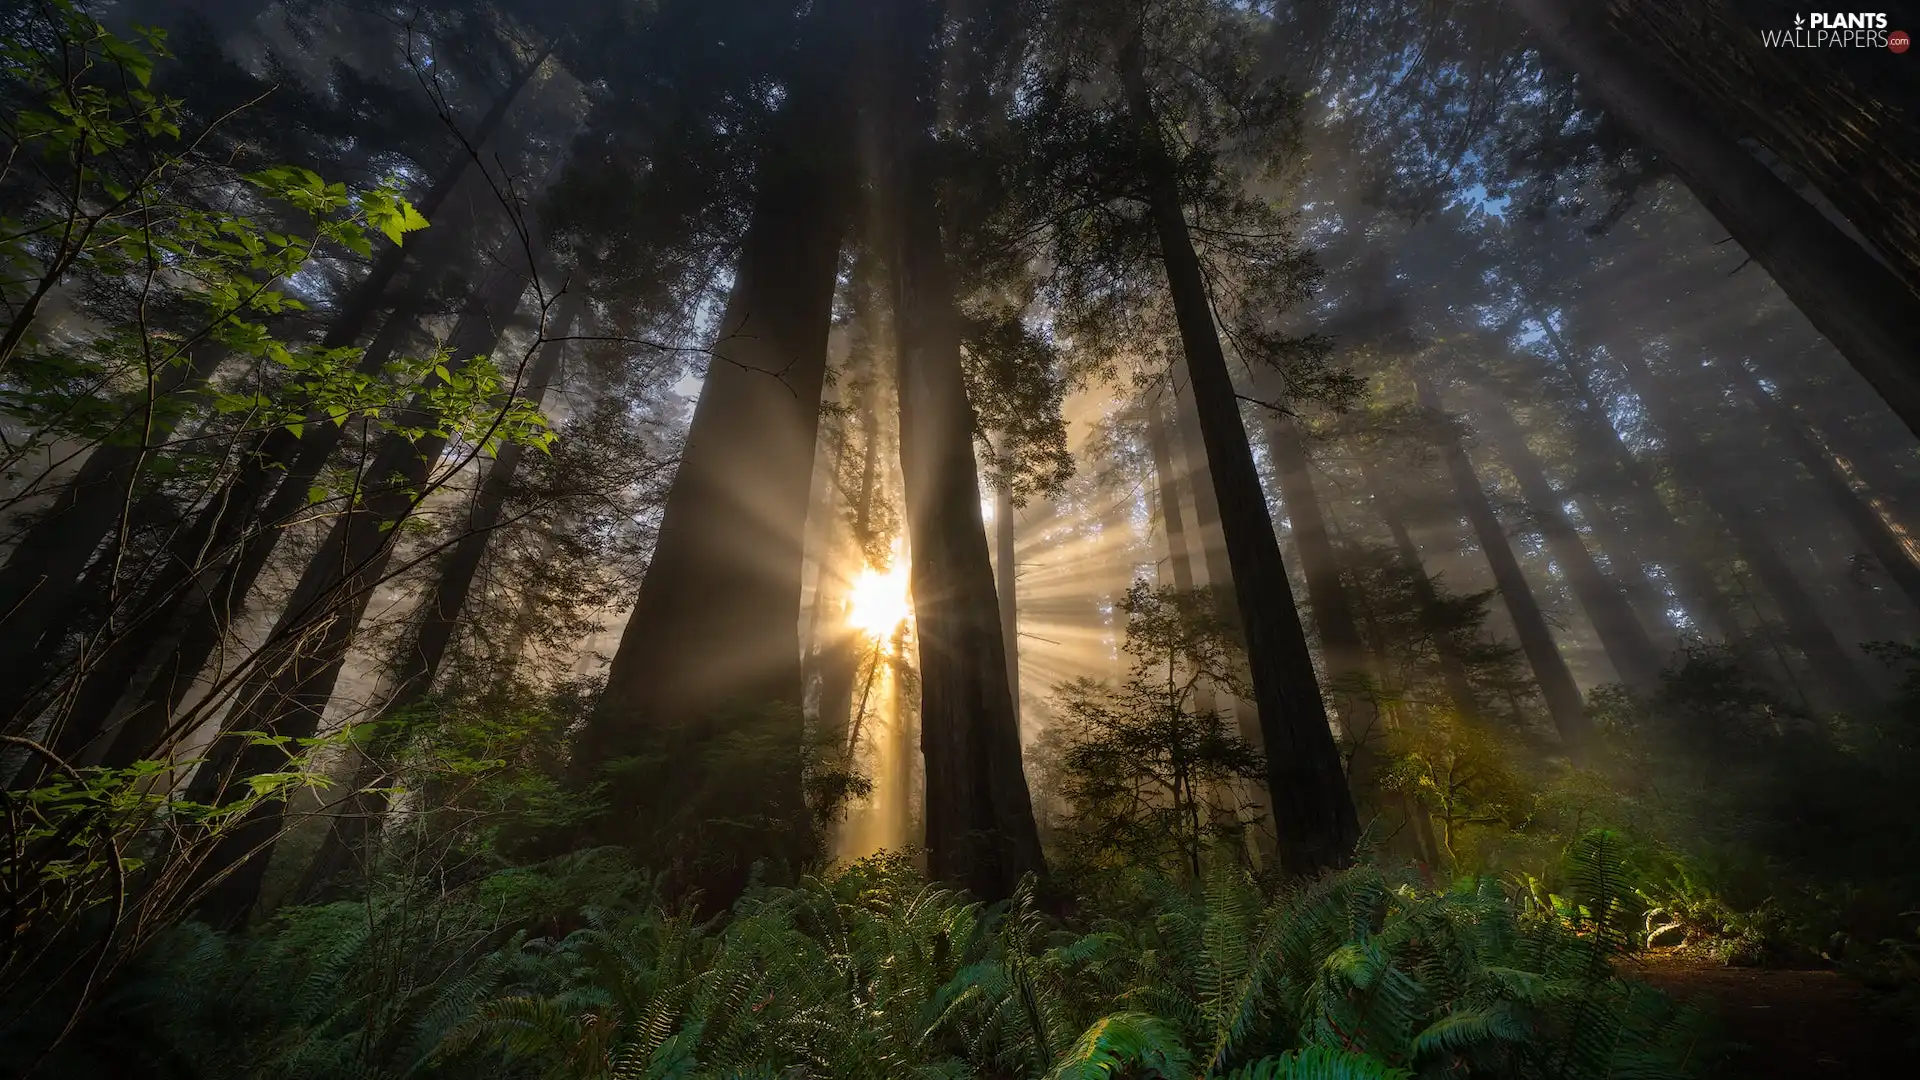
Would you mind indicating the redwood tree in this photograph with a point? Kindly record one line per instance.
(714, 632)
(1564, 704)
(1313, 811)
(980, 828)
(293, 676)
(1850, 296)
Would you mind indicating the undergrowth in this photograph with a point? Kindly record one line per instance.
(874, 973)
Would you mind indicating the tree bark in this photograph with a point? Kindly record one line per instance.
(360, 813)
(1631, 652)
(1859, 304)
(1564, 705)
(980, 828)
(1313, 813)
(716, 624)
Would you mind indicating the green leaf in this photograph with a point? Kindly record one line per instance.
(391, 214)
(1461, 1031)
(1128, 1043)
(1320, 1063)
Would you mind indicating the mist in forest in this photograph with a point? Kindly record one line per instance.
(1006, 538)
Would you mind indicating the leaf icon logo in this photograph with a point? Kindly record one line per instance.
(1799, 21)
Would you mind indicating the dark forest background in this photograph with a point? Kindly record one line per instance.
(991, 538)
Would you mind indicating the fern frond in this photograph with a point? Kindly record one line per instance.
(1320, 1063)
(1462, 1032)
(1124, 1040)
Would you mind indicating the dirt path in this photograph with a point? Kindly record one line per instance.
(1789, 1023)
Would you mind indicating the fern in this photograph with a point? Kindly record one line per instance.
(1461, 1032)
(1320, 1063)
(1596, 866)
(1135, 1041)
(873, 974)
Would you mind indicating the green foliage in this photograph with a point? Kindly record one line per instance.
(1762, 833)
(100, 843)
(181, 273)
(177, 252)
(1016, 383)
(1319, 1063)
(1685, 911)
(578, 968)
(437, 394)
(1460, 773)
(1073, 167)
(1129, 1041)
(485, 766)
(1416, 626)
(376, 986)
(1149, 770)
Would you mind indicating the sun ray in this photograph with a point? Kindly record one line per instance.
(877, 602)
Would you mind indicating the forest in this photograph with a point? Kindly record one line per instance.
(1005, 539)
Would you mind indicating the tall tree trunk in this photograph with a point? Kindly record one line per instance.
(840, 660)
(1628, 648)
(1693, 462)
(41, 591)
(980, 829)
(361, 811)
(1840, 120)
(1556, 683)
(1695, 577)
(1853, 299)
(715, 627)
(1341, 644)
(209, 567)
(293, 675)
(1881, 542)
(1313, 812)
(1167, 493)
(1452, 671)
(1202, 551)
(1180, 538)
(1006, 584)
(126, 699)
(136, 692)
(1204, 540)
(1599, 433)
(1618, 543)
(1207, 537)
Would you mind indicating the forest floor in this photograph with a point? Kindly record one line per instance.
(1788, 1023)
